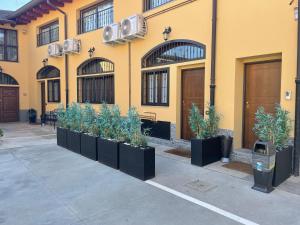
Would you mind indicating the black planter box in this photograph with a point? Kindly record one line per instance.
(283, 165)
(206, 151)
(62, 137)
(89, 146)
(74, 141)
(108, 152)
(137, 162)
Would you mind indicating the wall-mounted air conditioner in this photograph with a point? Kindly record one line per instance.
(133, 27)
(112, 34)
(55, 50)
(72, 46)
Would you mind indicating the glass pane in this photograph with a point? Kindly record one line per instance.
(11, 37)
(89, 20)
(50, 91)
(1, 37)
(56, 91)
(164, 86)
(11, 54)
(1, 52)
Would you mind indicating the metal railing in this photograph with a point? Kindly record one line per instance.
(151, 4)
(48, 37)
(96, 20)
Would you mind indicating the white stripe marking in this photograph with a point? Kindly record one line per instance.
(203, 204)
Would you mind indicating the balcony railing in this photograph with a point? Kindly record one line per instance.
(96, 21)
(151, 4)
(48, 37)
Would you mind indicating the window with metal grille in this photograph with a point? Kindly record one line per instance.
(96, 17)
(48, 72)
(155, 87)
(7, 79)
(48, 34)
(175, 51)
(53, 90)
(95, 66)
(151, 4)
(8, 45)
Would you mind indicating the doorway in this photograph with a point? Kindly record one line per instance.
(43, 98)
(9, 104)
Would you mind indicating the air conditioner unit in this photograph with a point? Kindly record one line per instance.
(72, 46)
(55, 50)
(112, 34)
(133, 27)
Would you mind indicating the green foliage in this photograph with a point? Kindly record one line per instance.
(117, 124)
(104, 122)
(273, 128)
(1, 133)
(204, 127)
(74, 117)
(61, 116)
(88, 120)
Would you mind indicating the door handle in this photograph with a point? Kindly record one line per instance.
(247, 105)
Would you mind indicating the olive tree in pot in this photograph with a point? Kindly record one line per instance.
(62, 127)
(74, 116)
(90, 132)
(275, 129)
(206, 146)
(136, 157)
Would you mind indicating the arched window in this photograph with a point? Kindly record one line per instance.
(48, 72)
(7, 79)
(95, 66)
(174, 51)
(96, 81)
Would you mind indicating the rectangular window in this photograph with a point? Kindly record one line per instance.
(155, 87)
(96, 89)
(53, 90)
(96, 17)
(48, 34)
(151, 4)
(8, 45)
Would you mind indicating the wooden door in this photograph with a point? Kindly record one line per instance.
(9, 104)
(43, 98)
(192, 92)
(262, 88)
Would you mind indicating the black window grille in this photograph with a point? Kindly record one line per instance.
(48, 34)
(48, 72)
(53, 90)
(96, 17)
(151, 4)
(176, 51)
(8, 45)
(95, 66)
(7, 79)
(155, 87)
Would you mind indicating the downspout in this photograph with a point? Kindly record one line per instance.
(297, 106)
(66, 55)
(129, 73)
(213, 53)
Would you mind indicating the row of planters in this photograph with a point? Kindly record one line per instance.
(107, 137)
(272, 131)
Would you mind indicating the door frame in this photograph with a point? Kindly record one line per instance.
(244, 92)
(181, 95)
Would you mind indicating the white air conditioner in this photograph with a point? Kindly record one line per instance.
(133, 27)
(55, 50)
(72, 46)
(112, 34)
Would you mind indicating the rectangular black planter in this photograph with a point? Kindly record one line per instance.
(206, 151)
(74, 141)
(108, 152)
(89, 146)
(283, 165)
(62, 137)
(137, 162)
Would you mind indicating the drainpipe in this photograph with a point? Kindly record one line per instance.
(297, 106)
(213, 53)
(129, 72)
(66, 55)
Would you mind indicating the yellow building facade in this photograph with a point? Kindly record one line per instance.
(254, 39)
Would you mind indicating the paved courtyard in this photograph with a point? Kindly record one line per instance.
(43, 184)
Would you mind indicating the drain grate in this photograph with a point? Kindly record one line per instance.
(201, 186)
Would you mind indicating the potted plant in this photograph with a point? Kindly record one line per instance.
(136, 157)
(73, 115)
(206, 146)
(62, 127)
(112, 129)
(275, 129)
(90, 132)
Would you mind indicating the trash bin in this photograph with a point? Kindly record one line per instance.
(263, 163)
(32, 115)
(226, 148)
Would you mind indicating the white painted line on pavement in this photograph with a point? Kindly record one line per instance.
(203, 204)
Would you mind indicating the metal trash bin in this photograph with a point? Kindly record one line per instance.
(263, 163)
(32, 115)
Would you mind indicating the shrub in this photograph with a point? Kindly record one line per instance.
(104, 122)
(204, 127)
(61, 116)
(273, 128)
(74, 117)
(88, 120)
(117, 124)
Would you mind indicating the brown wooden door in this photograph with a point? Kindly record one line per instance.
(192, 92)
(262, 88)
(9, 104)
(43, 98)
